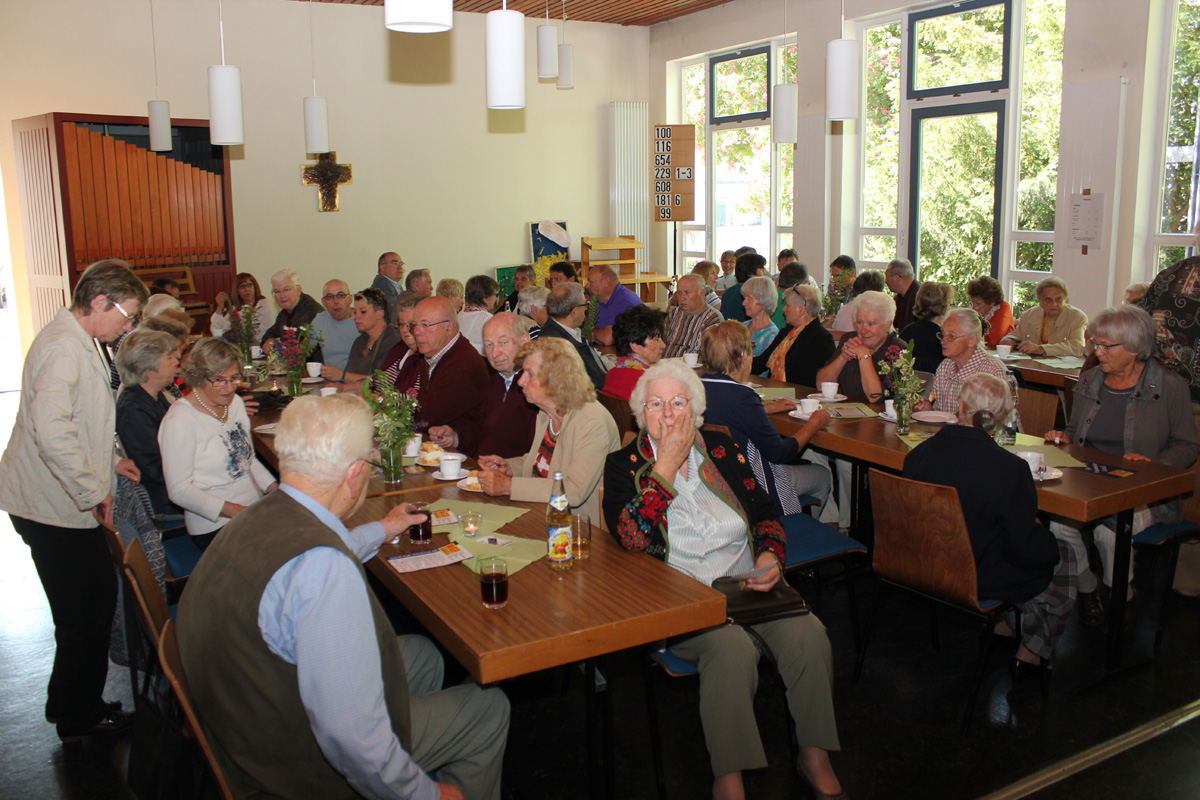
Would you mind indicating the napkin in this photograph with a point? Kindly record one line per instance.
(775, 392)
(1055, 457)
(520, 553)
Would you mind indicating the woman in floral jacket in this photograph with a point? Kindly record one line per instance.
(691, 500)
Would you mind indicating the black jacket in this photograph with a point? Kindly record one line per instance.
(592, 361)
(138, 418)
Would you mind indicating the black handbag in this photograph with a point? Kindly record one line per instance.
(748, 607)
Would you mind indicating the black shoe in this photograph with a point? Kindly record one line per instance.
(52, 718)
(114, 721)
(1091, 610)
(1020, 670)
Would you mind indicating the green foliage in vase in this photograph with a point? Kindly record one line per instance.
(392, 409)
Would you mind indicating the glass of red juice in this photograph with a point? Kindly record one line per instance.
(493, 582)
(422, 532)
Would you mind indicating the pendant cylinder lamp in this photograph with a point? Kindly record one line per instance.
(316, 125)
(841, 79)
(783, 113)
(159, 113)
(547, 50)
(566, 66)
(418, 16)
(505, 59)
(225, 105)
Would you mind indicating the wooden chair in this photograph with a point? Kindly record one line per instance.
(168, 655)
(153, 611)
(622, 414)
(116, 548)
(1037, 410)
(922, 546)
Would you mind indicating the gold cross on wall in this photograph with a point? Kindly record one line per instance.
(326, 175)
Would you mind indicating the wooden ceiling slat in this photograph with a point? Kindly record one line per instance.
(617, 12)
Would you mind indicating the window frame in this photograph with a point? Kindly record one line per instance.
(910, 27)
(734, 55)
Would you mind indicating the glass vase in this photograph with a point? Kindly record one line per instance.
(391, 461)
(295, 385)
(904, 409)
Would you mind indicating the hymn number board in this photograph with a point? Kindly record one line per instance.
(672, 176)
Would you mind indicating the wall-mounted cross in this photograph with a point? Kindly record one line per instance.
(326, 175)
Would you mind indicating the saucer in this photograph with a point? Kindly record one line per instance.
(317, 379)
(1012, 357)
(837, 398)
(883, 415)
(1051, 474)
(935, 417)
(439, 476)
(796, 413)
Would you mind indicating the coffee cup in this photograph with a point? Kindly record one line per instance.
(829, 389)
(255, 351)
(328, 391)
(314, 369)
(1034, 459)
(889, 407)
(691, 359)
(413, 446)
(450, 464)
(1003, 350)
(808, 405)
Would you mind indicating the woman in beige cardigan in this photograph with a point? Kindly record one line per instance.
(573, 433)
(1052, 327)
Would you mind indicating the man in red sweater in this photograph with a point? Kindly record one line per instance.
(453, 377)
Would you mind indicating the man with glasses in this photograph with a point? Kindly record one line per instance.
(336, 324)
(391, 271)
(687, 322)
(296, 309)
(960, 337)
(452, 379)
(568, 309)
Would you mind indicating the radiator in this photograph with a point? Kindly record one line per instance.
(629, 170)
(41, 217)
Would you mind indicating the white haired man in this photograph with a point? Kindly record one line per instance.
(901, 280)
(687, 322)
(296, 309)
(280, 632)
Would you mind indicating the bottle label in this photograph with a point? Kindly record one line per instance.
(559, 543)
(558, 501)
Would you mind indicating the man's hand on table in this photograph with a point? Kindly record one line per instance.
(400, 519)
(444, 436)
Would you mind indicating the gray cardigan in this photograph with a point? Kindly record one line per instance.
(1158, 422)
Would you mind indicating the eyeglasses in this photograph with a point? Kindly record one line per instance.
(338, 296)
(952, 337)
(246, 285)
(284, 290)
(404, 326)
(1105, 347)
(218, 382)
(131, 319)
(425, 326)
(678, 402)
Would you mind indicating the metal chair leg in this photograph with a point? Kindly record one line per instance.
(985, 647)
(655, 734)
(862, 653)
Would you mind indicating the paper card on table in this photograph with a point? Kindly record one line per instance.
(1103, 469)
(498, 541)
(848, 410)
(428, 559)
(413, 469)
(1026, 440)
(775, 392)
(494, 516)
(518, 553)
(443, 516)
(914, 438)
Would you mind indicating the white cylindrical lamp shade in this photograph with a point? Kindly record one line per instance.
(547, 50)
(225, 105)
(505, 59)
(418, 16)
(316, 125)
(159, 114)
(783, 113)
(841, 79)
(566, 66)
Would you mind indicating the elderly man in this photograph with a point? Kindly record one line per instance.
(280, 634)
(391, 270)
(612, 297)
(419, 283)
(523, 278)
(961, 332)
(902, 282)
(687, 322)
(532, 304)
(338, 331)
(296, 309)
(568, 309)
(451, 376)
(508, 418)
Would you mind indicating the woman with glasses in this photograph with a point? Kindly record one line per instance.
(245, 293)
(987, 300)
(207, 454)
(1131, 406)
(573, 433)
(759, 299)
(960, 335)
(1053, 327)
(402, 361)
(689, 498)
(375, 341)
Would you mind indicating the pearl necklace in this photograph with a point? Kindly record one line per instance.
(550, 425)
(219, 417)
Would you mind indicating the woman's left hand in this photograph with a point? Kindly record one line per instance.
(1030, 348)
(1135, 457)
(495, 482)
(779, 404)
(768, 581)
(127, 468)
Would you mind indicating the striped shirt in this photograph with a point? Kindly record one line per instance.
(685, 330)
(950, 376)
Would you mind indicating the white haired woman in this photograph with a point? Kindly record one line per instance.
(760, 298)
(1131, 406)
(1016, 559)
(1052, 327)
(208, 457)
(857, 358)
(689, 498)
(147, 361)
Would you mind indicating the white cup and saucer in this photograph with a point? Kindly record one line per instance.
(807, 405)
(449, 466)
(889, 411)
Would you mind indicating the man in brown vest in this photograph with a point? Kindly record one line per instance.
(300, 682)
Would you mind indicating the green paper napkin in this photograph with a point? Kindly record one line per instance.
(849, 410)
(775, 392)
(520, 553)
(1055, 457)
(1061, 363)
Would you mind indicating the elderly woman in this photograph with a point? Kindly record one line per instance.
(856, 359)
(759, 299)
(482, 294)
(871, 280)
(1052, 328)
(573, 433)
(690, 499)
(960, 335)
(725, 348)
(638, 335)
(1016, 559)
(147, 361)
(453, 290)
(710, 273)
(1131, 406)
(403, 358)
(208, 457)
(987, 300)
(803, 346)
(376, 337)
(748, 266)
(532, 304)
(247, 293)
(929, 308)
(56, 483)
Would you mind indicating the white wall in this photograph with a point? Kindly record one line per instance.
(437, 177)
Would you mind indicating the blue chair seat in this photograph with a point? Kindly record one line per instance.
(673, 664)
(809, 541)
(988, 605)
(173, 609)
(1162, 531)
(182, 555)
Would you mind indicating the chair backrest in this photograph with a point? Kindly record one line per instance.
(152, 605)
(622, 414)
(172, 665)
(926, 381)
(717, 428)
(116, 548)
(1037, 410)
(1069, 385)
(921, 538)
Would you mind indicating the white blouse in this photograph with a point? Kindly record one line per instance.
(263, 319)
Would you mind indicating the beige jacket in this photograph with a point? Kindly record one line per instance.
(587, 437)
(59, 462)
(1066, 337)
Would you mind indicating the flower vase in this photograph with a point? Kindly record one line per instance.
(295, 385)
(247, 358)
(904, 408)
(391, 461)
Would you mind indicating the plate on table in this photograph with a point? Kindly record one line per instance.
(935, 417)
(470, 484)
(430, 458)
(317, 379)
(837, 398)
(438, 476)
(1013, 356)
(1050, 474)
(266, 430)
(886, 417)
